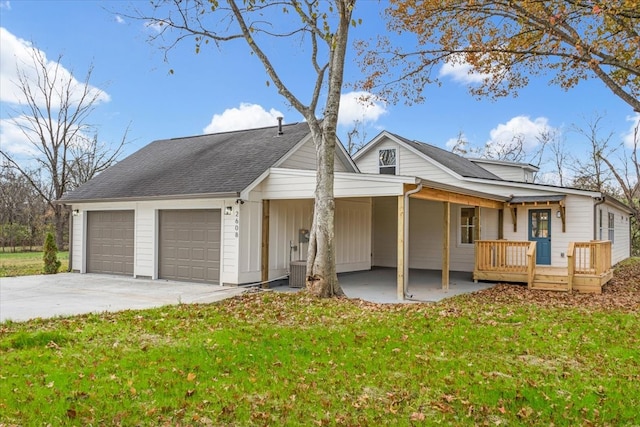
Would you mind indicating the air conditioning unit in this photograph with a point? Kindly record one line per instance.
(297, 274)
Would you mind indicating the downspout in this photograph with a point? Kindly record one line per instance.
(600, 200)
(406, 237)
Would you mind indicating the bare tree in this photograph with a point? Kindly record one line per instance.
(590, 171)
(22, 210)
(53, 117)
(560, 158)
(323, 29)
(356, 137)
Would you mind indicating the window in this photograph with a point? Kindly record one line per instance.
(612, 226)
(387, 161)
(467, 225)
(600, 226)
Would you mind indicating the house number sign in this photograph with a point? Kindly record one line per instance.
(237, 222)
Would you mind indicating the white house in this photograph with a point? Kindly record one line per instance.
(232, 208)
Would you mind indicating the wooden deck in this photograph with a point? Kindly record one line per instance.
(588, 266)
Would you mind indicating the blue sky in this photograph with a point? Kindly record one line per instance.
(225, 88)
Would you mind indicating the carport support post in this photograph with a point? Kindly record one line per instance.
(400, 246)
(445, 246)
(265, 245)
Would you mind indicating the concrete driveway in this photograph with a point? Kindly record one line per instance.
(29, 297)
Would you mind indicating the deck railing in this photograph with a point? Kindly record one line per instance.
(503, 255)
(590, 257)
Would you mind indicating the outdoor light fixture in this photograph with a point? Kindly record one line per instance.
(228, 210)
(558, 214)
(76, 212)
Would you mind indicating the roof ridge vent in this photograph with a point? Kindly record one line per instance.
(280, 132)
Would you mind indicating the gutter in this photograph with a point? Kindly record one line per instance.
(406, 239)
(599, 200)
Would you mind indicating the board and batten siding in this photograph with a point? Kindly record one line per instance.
(425, 234)
(305, 158)
(250, 241)
(408, 163)
(352, 234)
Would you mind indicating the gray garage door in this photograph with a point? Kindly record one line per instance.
(110, 242)
(189, 245)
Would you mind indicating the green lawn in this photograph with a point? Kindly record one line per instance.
(524, 358)
(27, 263)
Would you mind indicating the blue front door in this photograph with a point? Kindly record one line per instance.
(540, 232)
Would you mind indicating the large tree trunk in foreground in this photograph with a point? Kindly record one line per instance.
(322, 278)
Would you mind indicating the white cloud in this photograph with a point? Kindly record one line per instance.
(119, 19)
(247, 116)
(18, 53)
(520, 128)
(452, 142)
(363, 107)
(633, 132)
(14, 141)
(154, 25)
(461, 71)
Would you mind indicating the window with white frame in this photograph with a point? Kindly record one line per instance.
(600, 226)
(612, 226)
(387, 161)
(467, 225)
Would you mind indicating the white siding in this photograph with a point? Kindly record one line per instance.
(507, 172)
(305, 158)
(286, 218)
(353, 238)
(146, 220)
(353, 234)
(426, 219)
(250, 241)
(289, 184)
(620, 247)
(408, 163)
(77, 258)
(579, 226)
(384, 231)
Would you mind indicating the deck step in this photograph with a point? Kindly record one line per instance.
(550, 286)
(555, 278)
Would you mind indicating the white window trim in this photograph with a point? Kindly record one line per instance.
(397, 165)
(459, 226)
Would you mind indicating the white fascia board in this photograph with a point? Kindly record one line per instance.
(371, 144)
(531, 186)
(369, 177)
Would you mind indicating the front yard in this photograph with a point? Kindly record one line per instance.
(504, 356)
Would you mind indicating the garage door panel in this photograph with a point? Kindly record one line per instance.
(189, 245)
(110, 242)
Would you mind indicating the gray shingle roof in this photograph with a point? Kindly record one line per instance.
(217, 163)
(452, 161)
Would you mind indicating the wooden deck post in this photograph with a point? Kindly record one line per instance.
(400, 264)
(264, 264)
(445, 245)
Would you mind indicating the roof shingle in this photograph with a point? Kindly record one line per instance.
(208, 164)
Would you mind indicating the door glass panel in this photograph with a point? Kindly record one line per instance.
(540, 224)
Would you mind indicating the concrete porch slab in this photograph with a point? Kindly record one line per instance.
(379, 285)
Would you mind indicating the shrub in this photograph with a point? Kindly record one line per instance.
(50, 256)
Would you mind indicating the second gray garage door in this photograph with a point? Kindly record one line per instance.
(189, 245)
